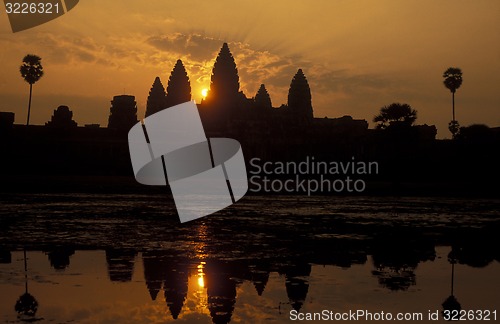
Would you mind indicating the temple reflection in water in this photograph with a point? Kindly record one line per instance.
(253, 265)
(212, 287)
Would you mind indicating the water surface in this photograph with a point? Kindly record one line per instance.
(119, 258)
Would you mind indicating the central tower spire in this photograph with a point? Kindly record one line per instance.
(225, 82)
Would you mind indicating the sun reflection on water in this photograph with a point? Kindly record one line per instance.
(200, 293)
(200, 238)
(201, 275)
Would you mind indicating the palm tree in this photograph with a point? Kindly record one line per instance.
(451, 303)
(453, 80)
(31, 71)
(27, 305)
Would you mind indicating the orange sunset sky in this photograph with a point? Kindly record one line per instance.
(357, 55)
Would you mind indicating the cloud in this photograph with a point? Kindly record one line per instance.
(196, 47)
(118, 57)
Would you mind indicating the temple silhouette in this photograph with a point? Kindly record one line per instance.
(288, 132)
(226, 109)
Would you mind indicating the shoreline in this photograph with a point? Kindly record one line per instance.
(12, 184)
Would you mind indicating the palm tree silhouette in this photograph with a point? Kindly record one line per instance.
(395, 114)
(27, 305)
(452, 81)
(451, 303)
(31, 71)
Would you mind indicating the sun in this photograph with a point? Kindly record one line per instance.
(204, 93)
